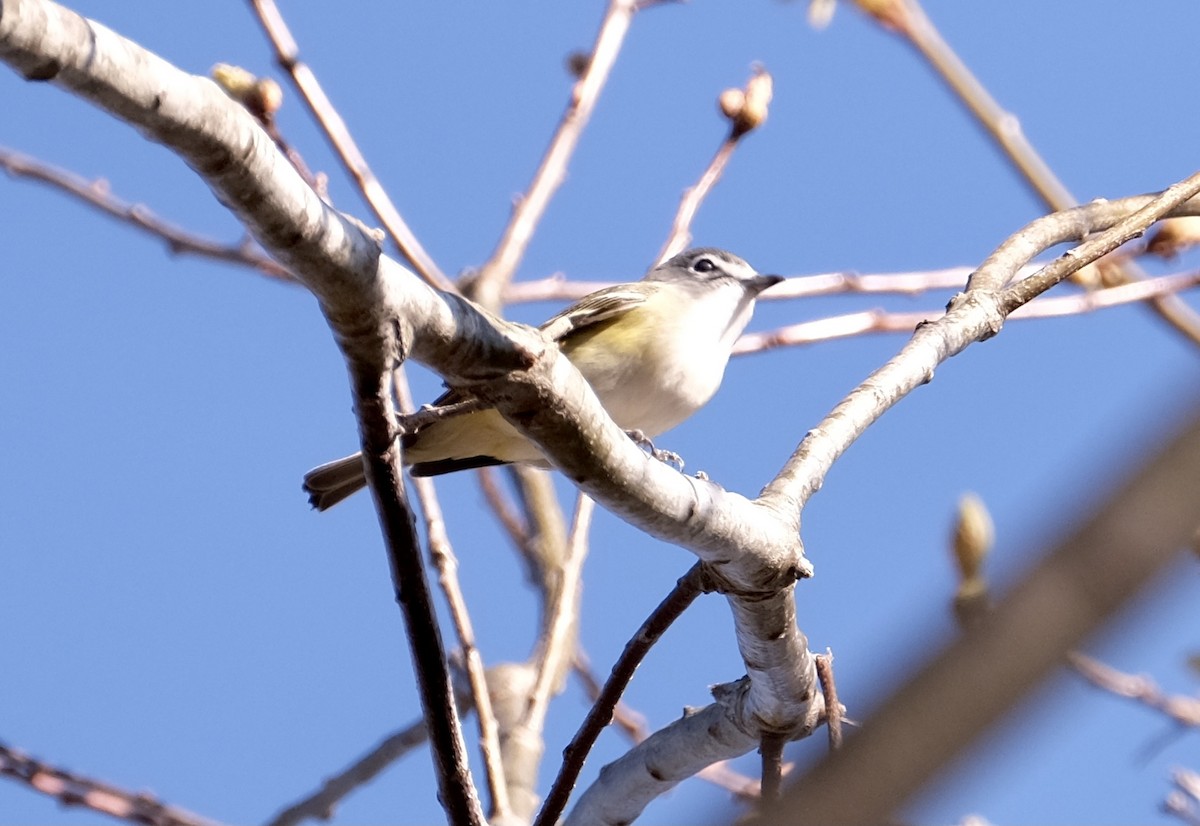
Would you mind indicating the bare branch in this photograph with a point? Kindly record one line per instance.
(502, 506)
(974, 316)
(746, 110)
(98, 194)
(1181, 709)
(833, 708)
(72, 789)
(1005, 129)
(499, 269)
(321, 804)
(554, 657)
(446, 564)
(1079, 585)
(689, 586)
(375, 414)
(287, 53)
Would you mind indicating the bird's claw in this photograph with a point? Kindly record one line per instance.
(668, 457)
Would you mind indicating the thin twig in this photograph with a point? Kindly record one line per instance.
(1100, 244)
(552, 170)
(1005, 129)
(97, 194)
(1182, 709)
(564, 614)
(833, 708)
(881, 321)
(72, 789)
(287, 53)
(681, 234)
(446, 563)
(428, 414)
(746, 111)
(689, 586)
(502, 507)
(320, 805)
(633, 724)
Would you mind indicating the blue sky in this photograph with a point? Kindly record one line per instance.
(176, 618)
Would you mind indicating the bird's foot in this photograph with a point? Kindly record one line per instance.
(668, 457)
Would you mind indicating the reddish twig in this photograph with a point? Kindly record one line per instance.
(1181, 709)
(97, 194)
(72, 789)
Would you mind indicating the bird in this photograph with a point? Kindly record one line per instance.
(654, 352)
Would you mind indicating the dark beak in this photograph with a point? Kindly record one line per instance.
(759, 283)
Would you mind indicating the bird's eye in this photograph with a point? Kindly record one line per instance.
(704, 265)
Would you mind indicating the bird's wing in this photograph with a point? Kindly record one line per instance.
(595, 308)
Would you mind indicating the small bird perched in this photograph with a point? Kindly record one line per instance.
(654, 351)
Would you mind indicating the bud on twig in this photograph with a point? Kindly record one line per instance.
(891, 13)
(746, 109)
(1174, 235)
(261, 96)
(973, 538)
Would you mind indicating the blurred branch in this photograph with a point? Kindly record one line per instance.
(1078, 586)
(909, 19)
(287, 54)
(97, 194)
(72, 789)
(1184, 801)
(555, 651)
(446, 564)
(1182, 709)
(528, 211)
(506, 513)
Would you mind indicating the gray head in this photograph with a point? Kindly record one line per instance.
(712, 266)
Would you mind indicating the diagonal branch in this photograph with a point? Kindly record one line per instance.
(551, 172)
(1129, 538)
(287, 53)
(72, 789)
(98, 194)
(914, 24)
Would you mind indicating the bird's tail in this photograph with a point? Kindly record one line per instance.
(334, 481)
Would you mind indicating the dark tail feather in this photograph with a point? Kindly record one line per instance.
(334, 481)
(440, 466)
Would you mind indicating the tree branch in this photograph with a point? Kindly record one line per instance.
(287, 54)
(499, 269)
(72, 789)
(98, 194)
(1084, 580)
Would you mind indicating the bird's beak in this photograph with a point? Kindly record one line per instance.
(760, 282)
